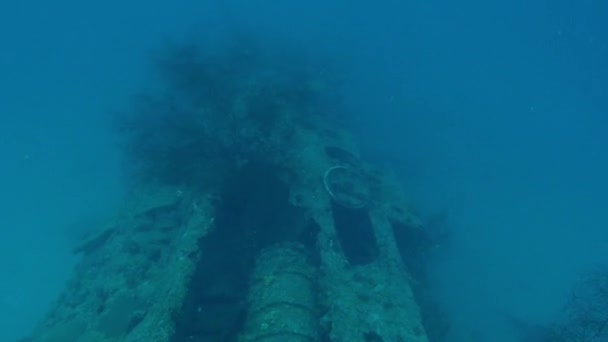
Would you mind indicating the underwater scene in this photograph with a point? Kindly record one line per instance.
(319, 171)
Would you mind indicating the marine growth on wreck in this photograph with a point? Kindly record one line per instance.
(251, 217)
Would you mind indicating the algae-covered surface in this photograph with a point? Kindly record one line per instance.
(203, 247)
(126, 286)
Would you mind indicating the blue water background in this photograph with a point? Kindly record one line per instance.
(495, 113)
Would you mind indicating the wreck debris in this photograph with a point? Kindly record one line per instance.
(253, 219)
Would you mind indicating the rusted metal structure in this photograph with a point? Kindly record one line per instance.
(302, 242)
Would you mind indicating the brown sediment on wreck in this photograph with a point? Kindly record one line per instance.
(278, 231)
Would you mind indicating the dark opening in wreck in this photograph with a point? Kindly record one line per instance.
(356, 234)
(252, 215)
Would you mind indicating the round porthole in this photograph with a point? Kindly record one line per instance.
(347, 186)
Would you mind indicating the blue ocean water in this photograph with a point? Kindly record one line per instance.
(495, 114)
